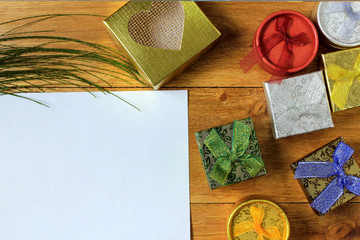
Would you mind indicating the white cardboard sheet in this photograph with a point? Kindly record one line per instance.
(94, 168)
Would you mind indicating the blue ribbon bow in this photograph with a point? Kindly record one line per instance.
(353, 18)
(335, 189)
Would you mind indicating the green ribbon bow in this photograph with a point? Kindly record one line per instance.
(226, 158)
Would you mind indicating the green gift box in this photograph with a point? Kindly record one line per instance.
(230, 153)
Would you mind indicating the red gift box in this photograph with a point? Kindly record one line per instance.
(285, 42)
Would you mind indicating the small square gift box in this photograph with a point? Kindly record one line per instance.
(329, 176)
(338, 22)
(161, 38)
(230, 153)
(342, 75)
(298, 105)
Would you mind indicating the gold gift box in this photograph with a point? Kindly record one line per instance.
(342, 76)
(312, 187)
(273, 217)
(162, 39)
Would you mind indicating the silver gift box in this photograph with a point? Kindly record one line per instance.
(298, 105)
(339, 23)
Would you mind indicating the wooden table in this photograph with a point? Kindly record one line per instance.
(220, 92)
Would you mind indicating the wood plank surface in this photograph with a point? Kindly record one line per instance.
(220, 92)
(304, 224)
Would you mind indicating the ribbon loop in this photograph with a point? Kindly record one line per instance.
(342, 154)
(241, 138)
(216, 145)
(283, 24)
(252, 164)
(329, 196)
(226, 158)
(299, 40)
(257, 214)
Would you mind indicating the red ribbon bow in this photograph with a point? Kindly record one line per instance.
(282, 27)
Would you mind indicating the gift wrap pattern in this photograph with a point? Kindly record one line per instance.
(162, 38)
(298, 105)
(314, 186)
(339, 22)
(238, 172)
(342, 71)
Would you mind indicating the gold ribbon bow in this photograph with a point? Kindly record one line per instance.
(344, 79)
(247, 226)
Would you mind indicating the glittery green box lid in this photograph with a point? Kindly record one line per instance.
(238, 172)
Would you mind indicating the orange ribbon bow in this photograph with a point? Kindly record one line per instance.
(258, 215)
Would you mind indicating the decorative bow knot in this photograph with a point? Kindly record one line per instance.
(352, 19)
(257, 215)
(344, 79)
(335, 189)
(282, 35)
(226, 158)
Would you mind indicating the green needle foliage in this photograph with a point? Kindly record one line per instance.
(46, 65)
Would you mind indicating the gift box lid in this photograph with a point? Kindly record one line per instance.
(252, 218)
(161, 38)
(341, 71)
(338, 22)
(303, 53)
(298, 105)
(313, 187)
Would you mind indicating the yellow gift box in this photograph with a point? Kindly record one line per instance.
(162, 39)
(342, 76)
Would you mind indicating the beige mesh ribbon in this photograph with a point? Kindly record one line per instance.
(160, 27)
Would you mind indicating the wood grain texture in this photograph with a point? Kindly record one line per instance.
(211, 219)
(211, 107)
(218, 68)
(220, 92)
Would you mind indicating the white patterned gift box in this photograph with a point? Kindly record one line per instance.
(339, 23)
(298, 105)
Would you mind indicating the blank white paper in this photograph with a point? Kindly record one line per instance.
(94, 168)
